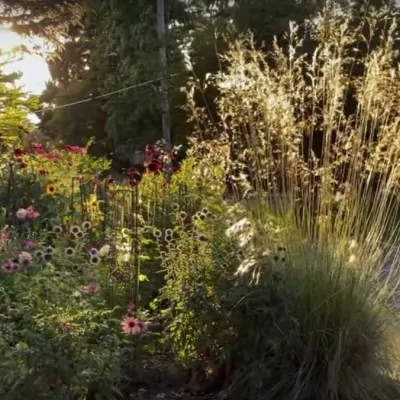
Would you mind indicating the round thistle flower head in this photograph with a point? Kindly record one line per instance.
(175, 207)
(38, 254)
(202, 216)
(69, 251)
(86, 225)
(57, 229)
(94, 260)
(80, 235)
(49, 250)
(169, 238)
(157, 233)
(75, 229)
(202, 238)
(168, 232)
(93, 251)
(47, 257)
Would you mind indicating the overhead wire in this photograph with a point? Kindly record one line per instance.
(104, 94)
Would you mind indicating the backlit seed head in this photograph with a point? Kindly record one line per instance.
(175, 207)
(168, 232)
(86, 225)
(47, 257)
(202, 238)
(94, 260)
(57, 229)
(38, 254)
(75, 229)
(80, 235)
(157, 233)
(93, 251)
(49, 250)
(69, 251)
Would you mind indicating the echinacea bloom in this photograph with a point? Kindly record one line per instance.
(75, 149)
(9, 267)
(30, 244)
(5, 235)
(21, 213)
(91, 288)
(25, 257)
(19, 153)
(132, 172)
(50, 190)
(149, 150)
(154, 167)
(38, 148)
(52, 155)
(132, 326)
(32, 213)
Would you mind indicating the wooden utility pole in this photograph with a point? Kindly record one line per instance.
(161, 30)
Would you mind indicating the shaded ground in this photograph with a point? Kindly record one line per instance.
(161, 379)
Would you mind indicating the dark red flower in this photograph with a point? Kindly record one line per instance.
(75, 149)
(132, 172)
(154, 167)
(42, 171)
(52, 155)
(149, 150)
(19, 153)
(38, 148)
(176, 168)
(23, 165)
(110, 180)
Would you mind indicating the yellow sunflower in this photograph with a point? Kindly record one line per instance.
(67, 220)
(93, 204)
(50, 190)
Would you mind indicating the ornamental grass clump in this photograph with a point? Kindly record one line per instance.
(314, 142)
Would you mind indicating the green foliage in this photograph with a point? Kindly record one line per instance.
(15, 105)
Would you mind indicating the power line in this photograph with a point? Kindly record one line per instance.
(103, 95)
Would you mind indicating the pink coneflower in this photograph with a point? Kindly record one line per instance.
(30, 244)
(75, 149)
(25, 257)
(5, 235)
(132, 326)
(32, 213)
(21, 213)
(9, 267)
(91, 288)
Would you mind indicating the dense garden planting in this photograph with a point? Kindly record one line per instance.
(262, 266)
